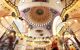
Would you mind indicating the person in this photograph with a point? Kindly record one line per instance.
(8, 41)
(55, 45)
(11, 38)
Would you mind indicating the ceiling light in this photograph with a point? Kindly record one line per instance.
(69, 22)
(64, 24)
(26, 26)
(1, 18)
(6, 17)
(58, 2)
(28, 29)
(24, 23)
(23, 1)
(75, 21)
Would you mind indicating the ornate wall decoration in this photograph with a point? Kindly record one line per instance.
(6, 8)
(69, 8)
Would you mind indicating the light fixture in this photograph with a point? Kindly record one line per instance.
(23, 1)
(1, 18)
(28, 29)
(6, 17)
(26, 26)
(69, 23)
(64, 23)
(76, 21)
(58, 2)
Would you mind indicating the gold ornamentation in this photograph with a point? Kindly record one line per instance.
(69, 8)
(6, 8)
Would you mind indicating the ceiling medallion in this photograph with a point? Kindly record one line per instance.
(39, 15)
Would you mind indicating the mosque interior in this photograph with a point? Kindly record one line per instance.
(39, 24)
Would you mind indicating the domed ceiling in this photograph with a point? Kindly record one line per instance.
(33, 22)
(39, 15)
